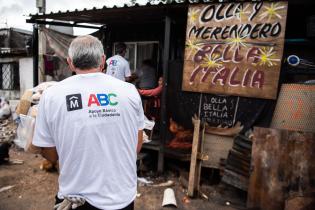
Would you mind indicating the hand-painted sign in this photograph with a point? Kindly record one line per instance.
(219, 110)
(235, 48)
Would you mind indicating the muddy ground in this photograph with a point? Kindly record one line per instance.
(34, 189)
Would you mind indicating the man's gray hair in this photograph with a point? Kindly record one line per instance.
(86, 52)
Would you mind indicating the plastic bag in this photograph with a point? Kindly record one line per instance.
(148, 124)
(33, 111)
(25, 132)
(39, 89)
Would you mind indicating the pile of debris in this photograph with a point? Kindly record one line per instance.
(5, 111)
(7, 130)
(7, 135)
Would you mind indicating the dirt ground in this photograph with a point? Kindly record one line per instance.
(34, 189)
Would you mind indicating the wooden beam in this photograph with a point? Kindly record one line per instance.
(35, 55)
(56, 23)
(194, 170)
(166, 52)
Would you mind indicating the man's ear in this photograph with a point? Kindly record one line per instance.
(71, 66)
(102, 62)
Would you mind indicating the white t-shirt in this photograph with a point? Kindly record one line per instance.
(118, 67)
(93, 121)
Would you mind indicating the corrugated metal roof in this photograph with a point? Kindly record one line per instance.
(149, 4)
(130, 6)
(17, 30)
(132, 14)
(111, 15)
(161, 3)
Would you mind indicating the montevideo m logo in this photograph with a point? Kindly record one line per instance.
(74, 102)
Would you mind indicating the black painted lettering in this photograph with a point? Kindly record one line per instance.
(254, 34)
(225, 32)
(265, 30)
(208, 13)
(256, 9)
(218, 15)
(275, 30)
(196, 31)
(206, 33)
(215, 32)
(228, 13)
(246, 30)
(234, 30)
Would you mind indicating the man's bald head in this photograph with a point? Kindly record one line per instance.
(86, 52)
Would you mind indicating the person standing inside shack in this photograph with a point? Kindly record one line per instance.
(117, 65)
(92, 123)
(146, 75)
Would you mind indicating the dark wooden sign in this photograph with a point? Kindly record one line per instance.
(219, 110)
(235, 48)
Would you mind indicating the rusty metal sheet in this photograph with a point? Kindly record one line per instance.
(301, 203)
(283, 165)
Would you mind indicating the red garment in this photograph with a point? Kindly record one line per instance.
(151, 92)
(154, 93)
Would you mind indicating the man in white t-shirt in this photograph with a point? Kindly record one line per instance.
(117, 65)
(92, 123)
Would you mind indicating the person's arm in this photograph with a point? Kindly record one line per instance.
(140, 140)
(151, 92)
(42, 139)
(127, 72)
(50, 153)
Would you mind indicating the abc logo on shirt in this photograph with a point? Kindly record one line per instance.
(74, 101)
(102, 99)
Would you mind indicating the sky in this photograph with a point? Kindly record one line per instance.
(13, 13)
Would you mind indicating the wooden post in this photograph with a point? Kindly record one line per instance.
(35, 55)
(41, 52)
(167, 36)
(194, 171)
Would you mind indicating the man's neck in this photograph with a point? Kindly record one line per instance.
(87, 71)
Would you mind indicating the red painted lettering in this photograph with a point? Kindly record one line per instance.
(258, 79)
(233, 81)
(237, 57)
(93, 100)
(221, 76)
(253, 54)
(246, 77)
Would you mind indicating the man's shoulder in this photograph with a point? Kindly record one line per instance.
(110, 57)
(53, 89)
(119, 57)
(59, 87)
(119, 82)
(129, 87)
